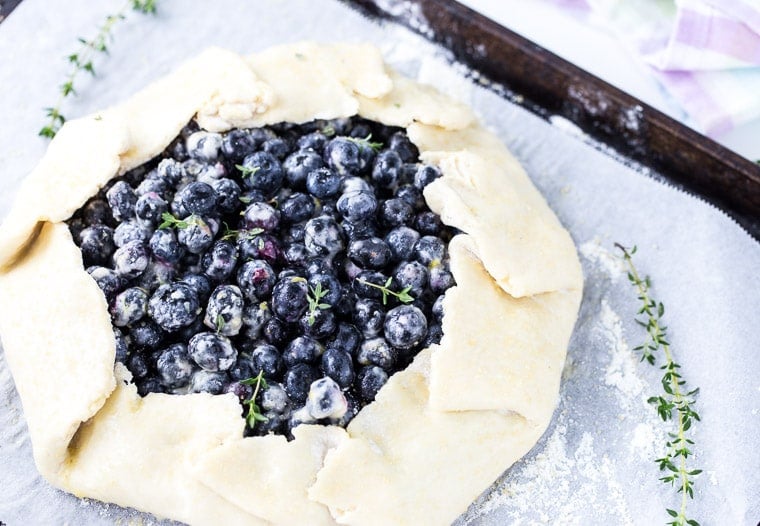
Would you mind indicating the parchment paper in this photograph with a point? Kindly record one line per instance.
(595, 463)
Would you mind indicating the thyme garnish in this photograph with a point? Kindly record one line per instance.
(403, 296)
(168, 221)
(240, 234)
(219, 323)
(676, 402)
(313, 296)
(376, 146)
(247, 171)
(254, 411)
(82, 60)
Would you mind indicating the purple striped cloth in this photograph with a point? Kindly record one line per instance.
(706, 53)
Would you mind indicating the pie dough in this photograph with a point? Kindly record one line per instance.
(439, 432)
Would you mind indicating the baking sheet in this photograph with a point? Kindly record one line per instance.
(594, 465)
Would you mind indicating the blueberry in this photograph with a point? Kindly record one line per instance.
(322, 183)
(343, 155)
(149, 208)
(369, 381)
(429, 249)
(434, 335)
(237, 144)
(131, 259)
(266, 358)
(298, 165)
(396, 212)
(359, 229)
(357, 206)
(227, 195)
(325, 399)
(173, 306)
(274, 398)
(437, 309)
(401, 241)
(157, 273)
(327, 283)
(108, 280)
(368, 317)
(96, 243)
(138, 365)
(277, 146)
(129, 306)
(428, 223)
(219, 262)
(412, 274)
(441, 279)
(177, 206)
(145, 334)
(165, 247)
(385, 170)
(211, 351)
(411, 195)
(174, 366)
(170, 171)
(260, 215)
(243, 367)
(131, 230)
(376, 351)
(224, 311)
(425, 175)
(405, 326)
(97, 212)
(200, 285)
(242, 391)
(255, 317)
(276, 332)
(354, 184)
(315, 141)
(369, 253)
(400, 143)
(203, 145)
(199, 198)
(256, 279)
(346, 338)
(121, 199)
(323, 237)
(122, 348)
(263, 246)
(297, 207)
(198, 235)
(263, 172)
(338, 365)
(208, 382)
(318, 324)
(297, 381)
(148, 385)
(302, 349)
(352, 408)
(295, 254)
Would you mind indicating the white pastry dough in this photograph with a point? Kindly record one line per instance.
(439, 432)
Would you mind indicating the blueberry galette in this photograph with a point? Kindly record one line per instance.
(291, 288)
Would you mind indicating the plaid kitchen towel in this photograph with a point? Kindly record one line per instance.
(705, 52)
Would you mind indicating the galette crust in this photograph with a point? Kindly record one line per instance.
(439, 432)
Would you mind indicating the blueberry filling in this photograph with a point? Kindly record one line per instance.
(295, 266)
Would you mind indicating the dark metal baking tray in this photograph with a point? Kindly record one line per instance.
(547, 85)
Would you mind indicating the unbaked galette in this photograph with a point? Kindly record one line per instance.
(289, 288)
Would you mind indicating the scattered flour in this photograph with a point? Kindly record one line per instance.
(595, 253)
(622, 369)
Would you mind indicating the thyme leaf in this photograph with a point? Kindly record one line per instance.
(366, 143)
(169, 221)
(254, 413)
(313, 296)
(247, 171)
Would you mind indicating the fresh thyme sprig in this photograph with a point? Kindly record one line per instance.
(403, 296)
(82, 60)
(677, 400)
(247, 171)
(313, 296)
(366, 142)
(169, 221)
(219, 323)
(254, 411)
(240, 234)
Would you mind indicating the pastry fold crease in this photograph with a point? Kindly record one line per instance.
(439, 432)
